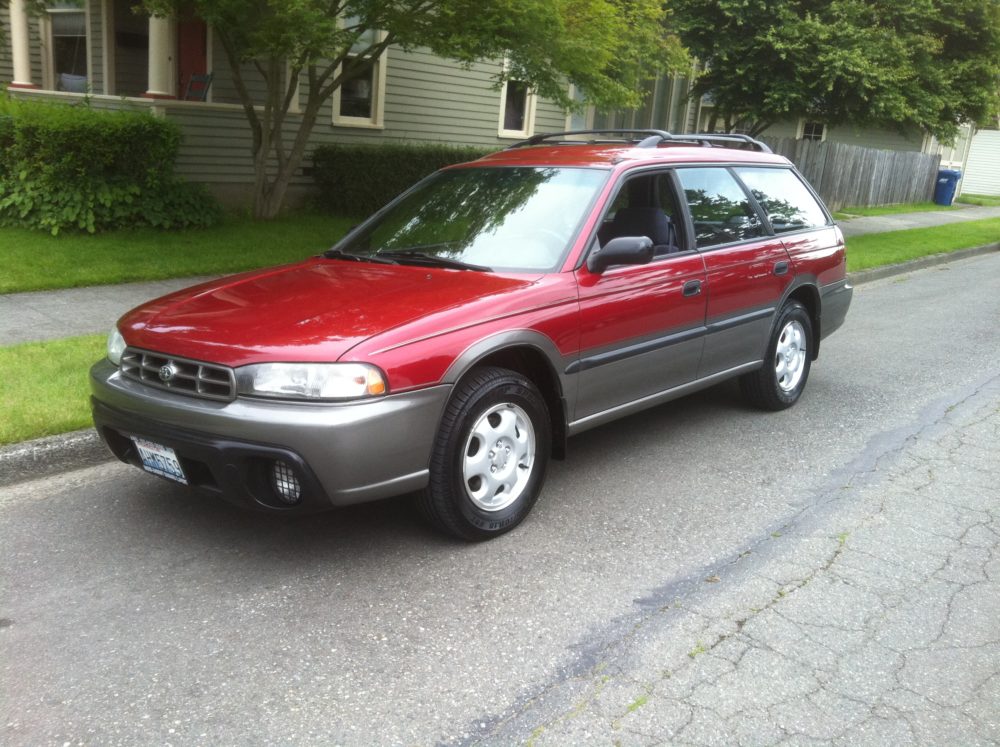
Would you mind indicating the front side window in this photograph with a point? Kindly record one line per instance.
(68, 25)
(646, 205)
(720, 209)
(515, 219)
(789, 205)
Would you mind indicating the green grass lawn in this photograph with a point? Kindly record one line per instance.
(877, 249)
(981, 200)
(34, 405)
(911, 207)
(33, 260)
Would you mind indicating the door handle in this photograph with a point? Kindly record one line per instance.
(692, 287)
(780, 268)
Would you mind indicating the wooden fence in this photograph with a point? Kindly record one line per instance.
(849, 175)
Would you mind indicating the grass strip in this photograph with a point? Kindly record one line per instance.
(911, 207)
(981, 200)
(877, 249)
(33, 260)
(43, 386)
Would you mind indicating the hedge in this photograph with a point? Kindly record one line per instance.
(359, 179)
(73, 167)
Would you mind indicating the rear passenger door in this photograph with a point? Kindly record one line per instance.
(747, 270)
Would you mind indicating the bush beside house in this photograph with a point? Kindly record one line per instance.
(78, 168)
(359, 179)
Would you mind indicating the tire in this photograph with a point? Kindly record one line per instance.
(778, 384)
(489, 457)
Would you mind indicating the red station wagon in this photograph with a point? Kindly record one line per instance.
(450, 344)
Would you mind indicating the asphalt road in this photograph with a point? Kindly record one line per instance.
(701, 573)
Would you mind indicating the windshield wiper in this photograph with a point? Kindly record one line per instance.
(338, 254)
(417, 257)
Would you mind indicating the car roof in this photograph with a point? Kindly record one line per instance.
(611, 155)
(611, 148)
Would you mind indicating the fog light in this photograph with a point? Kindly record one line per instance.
(286, 484)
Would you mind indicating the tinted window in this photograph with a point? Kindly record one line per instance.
(789, 205)
(719, 207)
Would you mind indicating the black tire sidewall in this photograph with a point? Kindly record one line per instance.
(793, 311)
(519, 392)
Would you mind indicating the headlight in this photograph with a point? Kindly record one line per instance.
(329, 381)
(116, 346)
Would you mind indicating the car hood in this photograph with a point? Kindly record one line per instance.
(315, 310)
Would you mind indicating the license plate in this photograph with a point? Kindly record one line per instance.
(160, 460)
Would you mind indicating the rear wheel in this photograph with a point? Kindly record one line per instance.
(489, 456)
(779, 382)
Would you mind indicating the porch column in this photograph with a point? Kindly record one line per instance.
(19, 46)
(161, 59)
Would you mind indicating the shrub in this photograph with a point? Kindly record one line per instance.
(74, 167)
(359, 179)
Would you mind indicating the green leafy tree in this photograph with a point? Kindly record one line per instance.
(929, 64)
(598, 45)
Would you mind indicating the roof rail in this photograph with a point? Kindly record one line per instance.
(709, 139)
(645, 139)
(637, 136)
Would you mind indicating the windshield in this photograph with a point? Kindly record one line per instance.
(513, 219)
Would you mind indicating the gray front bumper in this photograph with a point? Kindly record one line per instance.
(358, 451)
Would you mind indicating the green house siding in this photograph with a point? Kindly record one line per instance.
(95, 41)
(6, 62)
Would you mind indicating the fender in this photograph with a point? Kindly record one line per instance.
(562, 398)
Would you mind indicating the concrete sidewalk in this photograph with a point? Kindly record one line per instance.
(903, 221)
(49, 315)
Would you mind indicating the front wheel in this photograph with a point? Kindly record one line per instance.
(780, 381)
(489, 456)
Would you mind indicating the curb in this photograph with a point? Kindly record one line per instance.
(887, 271)
(42, 457)
(47, 456)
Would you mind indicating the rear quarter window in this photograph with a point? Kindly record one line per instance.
(789, 204)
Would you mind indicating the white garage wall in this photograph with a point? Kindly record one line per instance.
(982, 172)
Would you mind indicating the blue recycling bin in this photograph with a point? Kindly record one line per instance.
(947, 183)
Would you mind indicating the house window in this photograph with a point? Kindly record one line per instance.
(360, 101)
(812, 131)
(68, 47)
(583, 119)
(356, 94)
(517, 110)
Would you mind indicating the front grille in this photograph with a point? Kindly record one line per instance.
(180, 375)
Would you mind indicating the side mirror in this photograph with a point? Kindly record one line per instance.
(624, 250)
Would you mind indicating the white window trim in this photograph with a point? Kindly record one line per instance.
(530, 104)
(377, 119)
(48, 45)
(801, 129)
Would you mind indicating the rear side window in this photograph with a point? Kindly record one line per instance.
(789, 205)
(719, 207)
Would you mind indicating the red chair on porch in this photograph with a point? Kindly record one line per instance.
(197, 87)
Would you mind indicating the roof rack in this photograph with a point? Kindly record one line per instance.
(632, 136)
(645, 139)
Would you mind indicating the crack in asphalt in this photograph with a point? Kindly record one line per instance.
(611, 683)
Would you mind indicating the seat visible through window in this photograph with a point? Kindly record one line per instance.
(638, 210)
